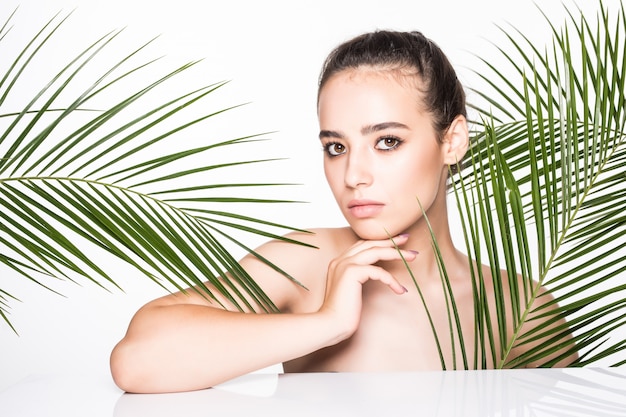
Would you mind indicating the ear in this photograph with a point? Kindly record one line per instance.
(456, 141)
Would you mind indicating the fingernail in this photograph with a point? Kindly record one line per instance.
(414, 252)
(405, 289)
(403, 235)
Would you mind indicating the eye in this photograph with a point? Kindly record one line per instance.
(388, 143)
(334, 149)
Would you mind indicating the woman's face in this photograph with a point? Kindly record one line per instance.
(381, 152)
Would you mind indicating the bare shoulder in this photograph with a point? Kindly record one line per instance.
(286, 269)
(309, 246)
(542, 330)
(302, 258)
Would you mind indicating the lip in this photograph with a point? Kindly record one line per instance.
(363, 209)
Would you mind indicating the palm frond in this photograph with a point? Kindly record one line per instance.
(124, 182)
(542, 190)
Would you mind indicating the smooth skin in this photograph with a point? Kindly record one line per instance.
(360, 310)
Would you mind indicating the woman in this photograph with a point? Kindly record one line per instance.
(392, 121)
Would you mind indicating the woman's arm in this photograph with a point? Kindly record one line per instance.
(182, 342)
(181, 346)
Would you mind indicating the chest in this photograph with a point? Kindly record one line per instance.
(412, 336)
(397, 334)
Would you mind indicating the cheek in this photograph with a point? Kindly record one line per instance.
(332, 176)
(415, 177)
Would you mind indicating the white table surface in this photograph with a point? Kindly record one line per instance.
(597, 392)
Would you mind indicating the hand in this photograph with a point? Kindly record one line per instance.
(347, 274)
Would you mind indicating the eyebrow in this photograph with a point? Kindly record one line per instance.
(365, 130)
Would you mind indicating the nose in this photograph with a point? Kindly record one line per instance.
(358, 170)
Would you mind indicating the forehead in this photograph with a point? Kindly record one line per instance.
(406, 76)
(367, 87)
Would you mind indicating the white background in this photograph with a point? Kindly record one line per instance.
(272, 51)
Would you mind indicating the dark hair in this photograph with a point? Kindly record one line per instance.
(443, 94)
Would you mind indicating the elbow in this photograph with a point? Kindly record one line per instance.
(135, 370)
(125, 370)
(130, 363)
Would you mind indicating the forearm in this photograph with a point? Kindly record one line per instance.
(187, 347)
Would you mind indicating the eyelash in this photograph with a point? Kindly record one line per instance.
(326, 148)
(397, 144)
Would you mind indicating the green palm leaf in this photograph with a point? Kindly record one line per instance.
(117, 183)
(541, 195)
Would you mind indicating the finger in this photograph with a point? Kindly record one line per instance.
(367, 244)
(376, 254)
(375, 273)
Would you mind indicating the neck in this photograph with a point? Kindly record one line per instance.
(421, 239)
